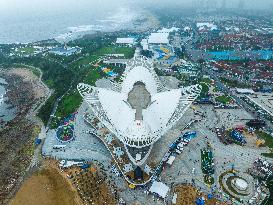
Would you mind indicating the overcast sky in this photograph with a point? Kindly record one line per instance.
(229, 3)
(29, 5)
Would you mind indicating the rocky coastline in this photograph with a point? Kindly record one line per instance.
(17, 136)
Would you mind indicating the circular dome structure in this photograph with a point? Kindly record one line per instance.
(240, 184)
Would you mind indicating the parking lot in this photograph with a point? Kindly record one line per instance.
(264, 100)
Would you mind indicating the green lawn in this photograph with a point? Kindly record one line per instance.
(128, 52)
(85, 61)
(72, 101)
(92, 76)
(223, 99)
(267, 137)
(269, 155)
(204, 91)
(206, 80)
(69, 104)
(27, 50)
(268, 142)
(44, 112)
(49, 83)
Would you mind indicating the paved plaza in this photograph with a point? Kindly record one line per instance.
(84, 147)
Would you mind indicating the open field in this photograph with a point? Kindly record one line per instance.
(204, 91)
(73, 186)
(46, 187)
(84, 62)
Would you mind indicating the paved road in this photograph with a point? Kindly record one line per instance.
(240, 102)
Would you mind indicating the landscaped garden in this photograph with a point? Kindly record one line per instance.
(65, 131)
(268, 142)
(207, 165)
(224, 99)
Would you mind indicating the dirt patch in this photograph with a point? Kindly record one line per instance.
(187, 195)
(93, 186)
(74, 186)
(46, 187)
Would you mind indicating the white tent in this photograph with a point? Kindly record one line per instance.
(244, 91)
(171, 160)
(158, 38)
(160, 189)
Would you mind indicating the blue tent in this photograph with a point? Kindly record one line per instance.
(189, 135)
(37, 141)
(210, 196)
(200, 201)
(85, 166)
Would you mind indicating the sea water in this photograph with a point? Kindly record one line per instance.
(62, 20)
(7, 112)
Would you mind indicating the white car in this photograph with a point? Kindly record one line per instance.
(178, 151)
(193, 170)
(180, 146)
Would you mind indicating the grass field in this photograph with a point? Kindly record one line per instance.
(85, 61)
(72, 100)
(267, 137)
(69, 104)
(92, 76)
(223, 99)
(204, 91)
(206, 80)
(128, 52)
(268, 142)
(26, 50)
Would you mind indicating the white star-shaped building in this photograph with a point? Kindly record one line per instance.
(139, 110)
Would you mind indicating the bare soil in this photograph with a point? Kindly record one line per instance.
(187, 194)
(45, 187)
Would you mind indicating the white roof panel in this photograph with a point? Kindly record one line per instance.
(113, 110)
(125, 40)
(158, 38)
(159, 188)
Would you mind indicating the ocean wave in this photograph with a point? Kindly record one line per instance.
(2, 98)
(84, 28)
(123, 18)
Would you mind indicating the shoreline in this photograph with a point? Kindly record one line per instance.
(24, 91)
(7, 110)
